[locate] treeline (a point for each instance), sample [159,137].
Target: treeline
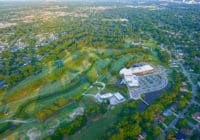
[48,111]
[14,70]
[70,128]
[44,113]
[58,70]
[163,56]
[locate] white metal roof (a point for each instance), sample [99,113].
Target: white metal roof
[129,77]
[131,80]
[106,96]
[118,96]
[125,71]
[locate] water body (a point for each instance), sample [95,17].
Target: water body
[150,98]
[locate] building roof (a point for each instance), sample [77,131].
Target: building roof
[129,77]
[124,19]
[132,80]
[196,116]
[198,83]
[136,43]
[179,136]
[186,131]
[141,69]
[125,71]
[106,96]
[158,118]
[183,89]
[118,96]
[167,112]
[116,99]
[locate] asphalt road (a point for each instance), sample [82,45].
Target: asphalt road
[194,92]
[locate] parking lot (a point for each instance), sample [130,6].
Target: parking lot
[149,83]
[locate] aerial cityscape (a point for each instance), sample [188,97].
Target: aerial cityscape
[100,70]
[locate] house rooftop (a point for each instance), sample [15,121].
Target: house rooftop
[167,112]
[198,83]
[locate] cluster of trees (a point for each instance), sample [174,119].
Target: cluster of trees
[131,123]
[46,112]
[56,74]
[100,33]
[128,126]
[183,100]
[13,69]
[183,97]
[95,109]
[163,56]
[182,123]
[69,128]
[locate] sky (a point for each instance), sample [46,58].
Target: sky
[61,0]
[72,0]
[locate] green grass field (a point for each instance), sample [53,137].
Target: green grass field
[97,128]
[81,69]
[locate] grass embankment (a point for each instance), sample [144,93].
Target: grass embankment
[97,128]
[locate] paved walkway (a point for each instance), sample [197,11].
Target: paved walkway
[144,101]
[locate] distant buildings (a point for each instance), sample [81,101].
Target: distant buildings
[180,136]
[174,65]
[123,20]
[6,25]
[136,43]
[1,49]
[2,84]
[182,1]
[186,131]
[184,89]
[196,116]
[159,118]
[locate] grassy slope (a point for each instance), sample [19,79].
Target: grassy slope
[96,129]
[79,62]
